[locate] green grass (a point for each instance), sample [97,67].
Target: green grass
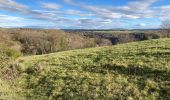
[138,70]
[7,55]
[8,90]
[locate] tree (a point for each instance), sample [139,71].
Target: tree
[166,27]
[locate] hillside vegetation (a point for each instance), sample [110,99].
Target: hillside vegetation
[31,42]
[137,70]
[123,36]
[6,38]
[8,74]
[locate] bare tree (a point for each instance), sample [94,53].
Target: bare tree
[166,27]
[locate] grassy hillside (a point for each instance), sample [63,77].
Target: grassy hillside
[7,55]
[138,70]
[31,41]
[8,75]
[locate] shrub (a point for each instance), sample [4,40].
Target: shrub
[7,55]
[102,42]
[48,41]
[13,53]
[39,42]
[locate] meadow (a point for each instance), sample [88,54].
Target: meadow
[138,70]
[84,49]
[130,71]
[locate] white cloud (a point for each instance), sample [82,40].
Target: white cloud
[88,15]
[141,4]
[10,21]
[141,25]
[50,6]
[70,2]
[134,10]
[12,4]
[77,13]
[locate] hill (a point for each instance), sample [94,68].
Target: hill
[137,70]
[8,74]
[44,41]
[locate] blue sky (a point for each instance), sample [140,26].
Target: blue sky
[84,14]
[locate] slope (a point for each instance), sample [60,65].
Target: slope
[7,73]
[138,70]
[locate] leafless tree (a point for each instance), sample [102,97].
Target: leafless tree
[166,27]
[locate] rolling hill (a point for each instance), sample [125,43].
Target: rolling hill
[8,74]
[137,70]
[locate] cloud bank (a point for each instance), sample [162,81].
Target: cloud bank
[85,15]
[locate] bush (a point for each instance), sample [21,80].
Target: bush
[78,41]
[13,53]
[41,42]
[7,56]
[103,42]
[48,41]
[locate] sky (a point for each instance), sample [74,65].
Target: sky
[84,14]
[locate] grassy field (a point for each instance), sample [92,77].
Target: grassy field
[8,88]
[137,70]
